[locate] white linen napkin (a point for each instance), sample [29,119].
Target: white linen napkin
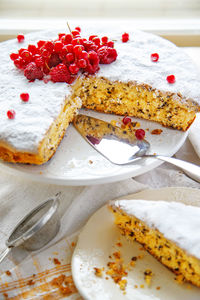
[194,134]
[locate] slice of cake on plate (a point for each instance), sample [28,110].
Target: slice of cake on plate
[143,76]
[167,230]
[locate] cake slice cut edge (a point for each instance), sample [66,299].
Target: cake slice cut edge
[51,140]
[132,224]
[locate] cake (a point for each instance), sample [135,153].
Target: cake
[163,88]
[167,230]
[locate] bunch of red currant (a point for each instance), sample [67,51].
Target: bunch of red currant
[64,57]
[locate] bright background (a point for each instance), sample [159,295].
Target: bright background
[177,20]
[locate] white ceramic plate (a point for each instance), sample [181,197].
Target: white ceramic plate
[98,240]
[77,163]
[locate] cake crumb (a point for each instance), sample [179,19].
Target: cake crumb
[135,286]
[141,286]
[31,282]
[158,287]
[148,276]
[56,261]
[156,131]
[98,272]
[90,162]
[8,273]
[119,244]
[73,244]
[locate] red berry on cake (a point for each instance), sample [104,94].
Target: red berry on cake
[140,134]
[82,63]
[32,49]
[104,39]
[78,29]
[126,120]
[125,37]
[33,72]
[110,44]
[171,79]
[73,68]
[24,97]
[75,32]
[40,44]
[107,55]
[154,57]
[60,73]
[70,57]
[68,38]
[20,38]
[14,56]
[11,114]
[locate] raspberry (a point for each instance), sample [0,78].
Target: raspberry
[126,120]
[107,55]
[60,73]
[24,97]
[140,134]
[14,56]
[92,63]
[154,57]
[171,79]
[125,37]
[33,72]
[11,114]
[54,60]
[20,38]
[73,69]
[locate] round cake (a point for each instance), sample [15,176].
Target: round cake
[150,78]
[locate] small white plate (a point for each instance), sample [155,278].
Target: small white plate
[98,240]
[77,163]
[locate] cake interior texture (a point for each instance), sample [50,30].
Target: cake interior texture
[185,266]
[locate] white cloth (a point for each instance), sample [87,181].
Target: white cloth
[194,134]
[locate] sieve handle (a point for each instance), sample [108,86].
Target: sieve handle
[4,253]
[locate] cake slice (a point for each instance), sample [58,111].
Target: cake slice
[167,230]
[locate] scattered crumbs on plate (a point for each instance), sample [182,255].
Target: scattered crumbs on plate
[56,261]
[98,272]
[5,295]
[65,285]
[31,282]
[73,244]
[158,288]
[55,253]
[141,256]
[8,273]
[156,131]
[90,162]
[119,244]
[148,276]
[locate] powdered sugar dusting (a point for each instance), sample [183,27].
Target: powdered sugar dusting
[34,118]
[177,221]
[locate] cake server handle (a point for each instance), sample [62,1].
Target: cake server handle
[4,253]
[184,165]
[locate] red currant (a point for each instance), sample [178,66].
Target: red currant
[78,49]
[82,63]
[26,55]
[11,114]
[78,29]
[20,38]
[70,57]
[154,57]
[14,56]
[91,37]
[83,55]
[110,44]
[38,60]
[68,38]
[40,44]
[69,48]
[49,46]
[126,120]
[171,79]
[125,37]
[104,39]
[140,134]
[24,97]
[58,46]
[60,35]
[19,63]
[32,49]
[74,69]
[97,41]
[75,32]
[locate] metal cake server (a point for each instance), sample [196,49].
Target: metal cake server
[120,146]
